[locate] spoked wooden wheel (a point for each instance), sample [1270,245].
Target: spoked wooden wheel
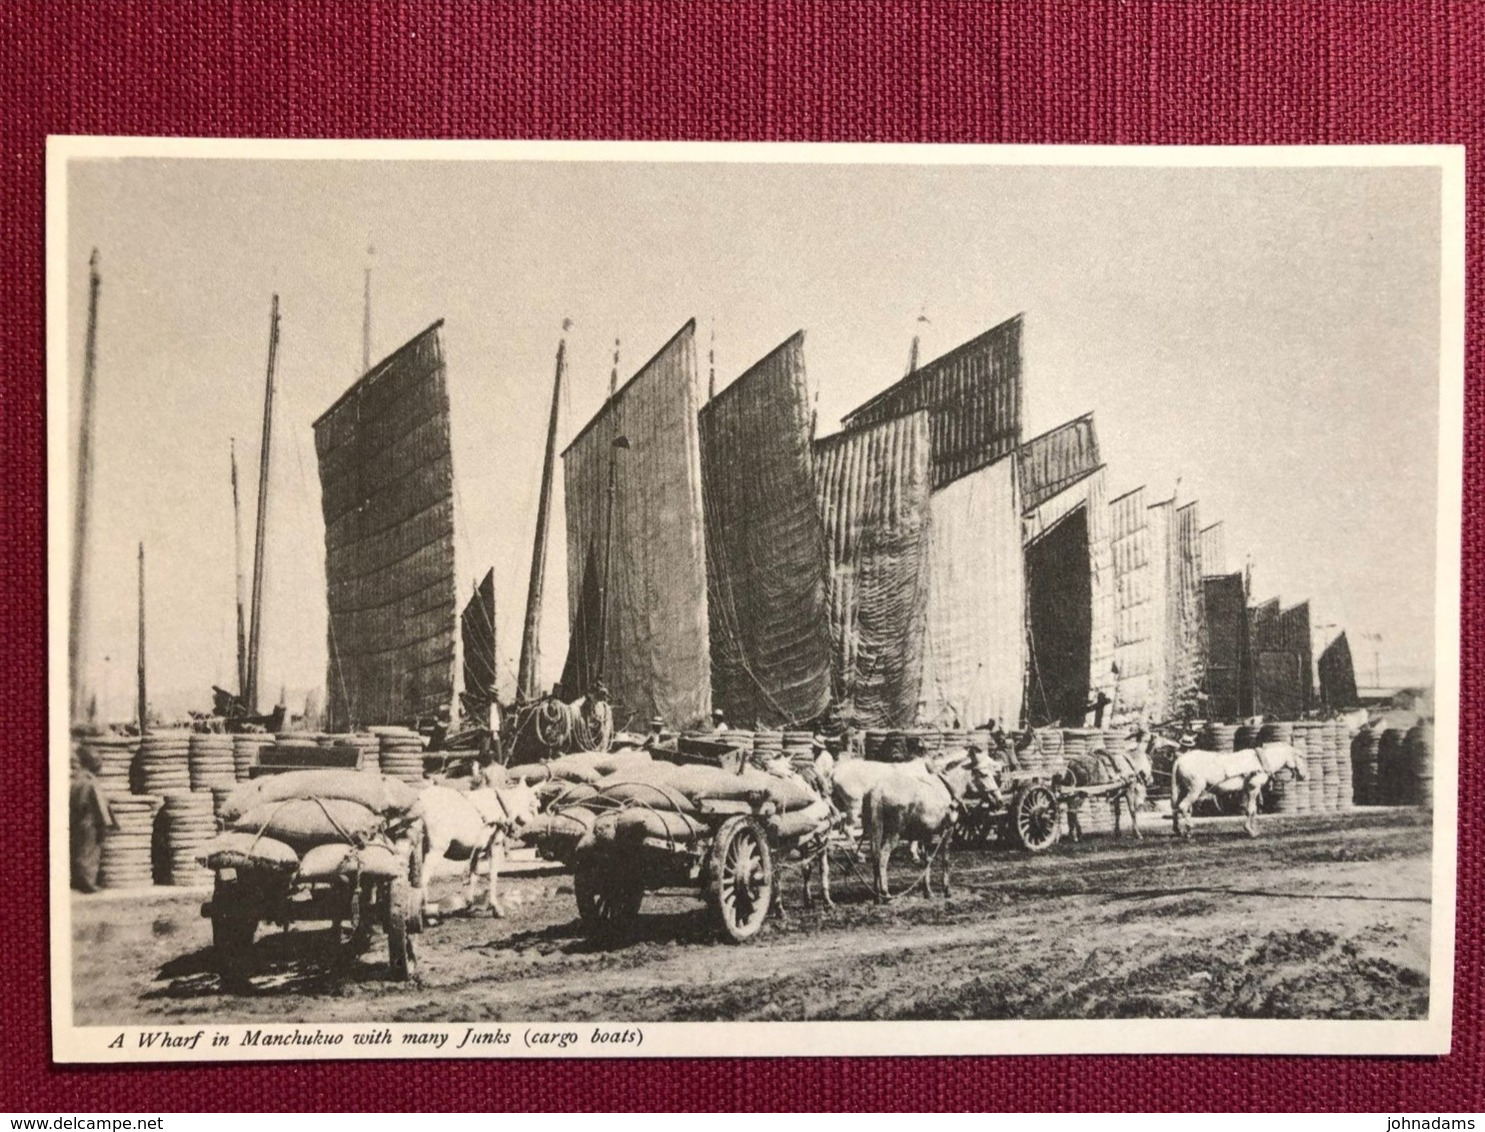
[978,825]
[740,879]
[1036,823]
[608,901]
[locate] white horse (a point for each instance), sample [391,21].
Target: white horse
[1223,772]
[463,826]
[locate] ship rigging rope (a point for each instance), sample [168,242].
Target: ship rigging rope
[565,727]
[350,720]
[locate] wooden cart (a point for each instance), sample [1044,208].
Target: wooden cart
[243,898]
[1028,814]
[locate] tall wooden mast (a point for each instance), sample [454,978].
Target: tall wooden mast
[528,674]
[616,442]
[255,637]
[77,646]
[143,704]
[242,667]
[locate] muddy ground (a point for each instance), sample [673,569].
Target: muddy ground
[1321,917]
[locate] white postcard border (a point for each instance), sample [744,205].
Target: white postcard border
[89,1044]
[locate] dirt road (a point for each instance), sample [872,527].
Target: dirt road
[1321,917]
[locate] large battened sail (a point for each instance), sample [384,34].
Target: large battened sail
[1134,609]
[973,398]
[1282,659]
[1069,574]
[873,485]
[386,478]
[1229,665]
[1214,550]
[765,547]
[651,636]
[1057,460]
[477,633]
[1191,643]
[1337,675]
[974,653]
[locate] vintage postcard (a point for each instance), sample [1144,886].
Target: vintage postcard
[566,599]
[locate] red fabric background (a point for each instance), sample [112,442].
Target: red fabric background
[1198,72]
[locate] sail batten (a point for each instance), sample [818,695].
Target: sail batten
[386,474]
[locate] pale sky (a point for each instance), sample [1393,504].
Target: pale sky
[1270,337]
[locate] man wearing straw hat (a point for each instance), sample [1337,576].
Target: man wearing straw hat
[656,735]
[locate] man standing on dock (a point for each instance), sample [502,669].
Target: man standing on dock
[1097,707]
[89,817]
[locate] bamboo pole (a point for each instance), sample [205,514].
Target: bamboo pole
[77,643]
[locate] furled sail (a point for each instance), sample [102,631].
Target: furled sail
[873,485]
[765,547]
[654,640]
[477,632]
[973,397]
[386,478]
[974,653]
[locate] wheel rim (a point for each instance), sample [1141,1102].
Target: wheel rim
[745,887]
[1037,819]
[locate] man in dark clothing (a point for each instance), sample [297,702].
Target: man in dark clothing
[90,818]
[1097,707]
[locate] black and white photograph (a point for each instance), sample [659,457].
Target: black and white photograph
[565,599]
